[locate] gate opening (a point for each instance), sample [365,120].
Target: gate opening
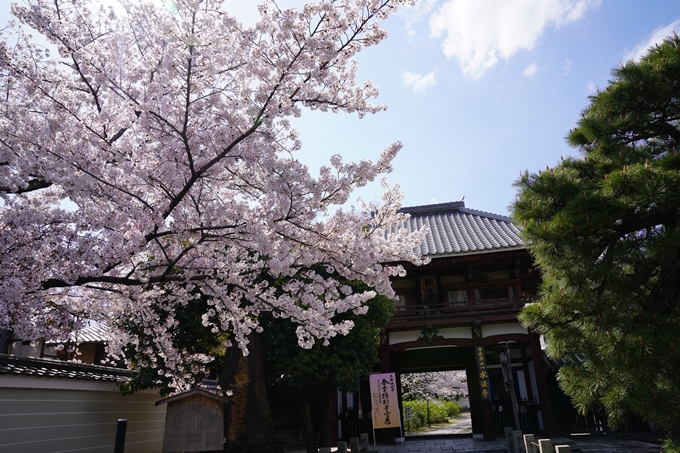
[436,403]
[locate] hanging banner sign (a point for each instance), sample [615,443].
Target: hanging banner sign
[483,375]
[385,401]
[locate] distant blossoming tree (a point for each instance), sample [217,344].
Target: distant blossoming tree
[152,162]
[435,385]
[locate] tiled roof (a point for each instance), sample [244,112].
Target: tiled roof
[94,333]
[455,229]
[572,360]
[10,365]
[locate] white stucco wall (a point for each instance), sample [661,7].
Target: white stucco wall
[40,415]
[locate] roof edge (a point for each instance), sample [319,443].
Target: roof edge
[433,208]
[454,206]
[478,252]
[58,364]
[194,391]
[490,215]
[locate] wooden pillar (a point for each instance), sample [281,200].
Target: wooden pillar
[527,373]
[542,385]
[335,418]
[384,352]
[487,417]
[475,399]
[485,403]
[4,341]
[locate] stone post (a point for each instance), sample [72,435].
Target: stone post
[545,446]
[529,440]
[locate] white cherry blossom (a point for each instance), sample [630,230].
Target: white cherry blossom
[153,157]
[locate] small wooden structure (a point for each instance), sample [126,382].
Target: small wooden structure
[194,421]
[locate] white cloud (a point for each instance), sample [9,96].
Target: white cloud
[479,33]
[655,38]
[592,88]
[567,66]
[412,14]
[418,82]
[530,70]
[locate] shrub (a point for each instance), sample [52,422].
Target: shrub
[439,412]
[453,408]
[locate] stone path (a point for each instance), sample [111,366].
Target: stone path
[461,425]
[437,441]
[585,444]
[468,445]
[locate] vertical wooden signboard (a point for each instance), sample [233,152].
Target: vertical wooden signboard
[385,402]
[483,375]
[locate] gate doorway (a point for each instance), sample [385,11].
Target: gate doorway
[436,403]
[489,405]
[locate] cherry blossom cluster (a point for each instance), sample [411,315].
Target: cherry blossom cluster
[153,158]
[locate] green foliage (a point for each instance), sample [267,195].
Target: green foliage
[337,364]
[453,408]
[437,411]
[188,334]
[605,231]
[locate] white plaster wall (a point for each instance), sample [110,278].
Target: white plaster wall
[462,333]
[503,329]
[39,415]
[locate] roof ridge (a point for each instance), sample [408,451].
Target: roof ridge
[46,368]
[490,215]
[453,206]
[434,208]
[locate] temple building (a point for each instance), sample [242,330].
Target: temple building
[459,312]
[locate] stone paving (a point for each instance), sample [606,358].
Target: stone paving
[469,445]
[444,441]
[447,444]
[450,439]
[462,425]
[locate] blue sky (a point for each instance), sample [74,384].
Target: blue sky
[479,90]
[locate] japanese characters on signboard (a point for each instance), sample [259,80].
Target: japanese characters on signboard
[483,375]
[385,401]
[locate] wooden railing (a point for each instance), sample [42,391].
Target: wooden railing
[453,309]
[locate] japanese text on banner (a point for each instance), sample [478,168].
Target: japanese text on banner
[384,400]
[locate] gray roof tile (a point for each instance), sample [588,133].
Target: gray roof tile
[94,333]
[455,229]
[28,366]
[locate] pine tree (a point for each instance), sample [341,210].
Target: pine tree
[604,229]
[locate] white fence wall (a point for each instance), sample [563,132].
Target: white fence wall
[51,415]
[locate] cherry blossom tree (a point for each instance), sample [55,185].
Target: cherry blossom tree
[152,161]
[434,385]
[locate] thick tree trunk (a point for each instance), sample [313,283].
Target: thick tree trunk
[325,405]
[314,414]
[248,423]
[306,420]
